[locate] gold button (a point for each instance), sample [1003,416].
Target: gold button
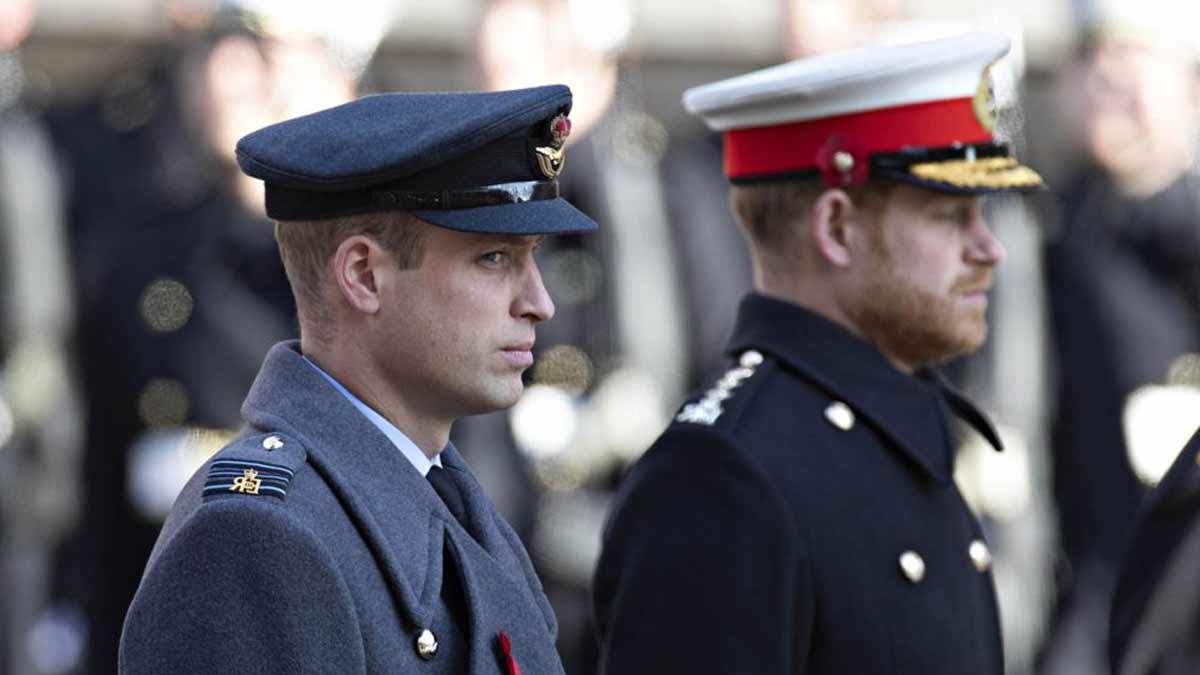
[840,415]
[426,645]
[750,359]
[980,555]
[272,443]
[913,566]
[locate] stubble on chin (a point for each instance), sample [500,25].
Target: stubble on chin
[916,327]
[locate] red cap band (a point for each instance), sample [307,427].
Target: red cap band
[797,146]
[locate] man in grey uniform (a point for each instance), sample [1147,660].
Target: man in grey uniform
[341,532]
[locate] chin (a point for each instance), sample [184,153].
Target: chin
[502,395]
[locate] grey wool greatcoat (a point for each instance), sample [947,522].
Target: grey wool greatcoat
[339,563]
[800,517]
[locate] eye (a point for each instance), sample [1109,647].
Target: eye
[960,215]
[493,258]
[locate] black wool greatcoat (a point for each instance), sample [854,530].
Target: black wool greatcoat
[1155,627]
[800,517]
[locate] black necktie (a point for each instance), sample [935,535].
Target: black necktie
[443,484]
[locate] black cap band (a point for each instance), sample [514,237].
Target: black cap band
[467,198]
[288,204]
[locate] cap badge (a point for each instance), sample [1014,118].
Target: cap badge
[550,158]
[984,101]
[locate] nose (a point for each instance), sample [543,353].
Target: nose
[984,248]
[533,301]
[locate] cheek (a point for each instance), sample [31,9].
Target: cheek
[468,313]
[935,263]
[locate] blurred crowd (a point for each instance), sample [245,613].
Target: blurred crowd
[140,287]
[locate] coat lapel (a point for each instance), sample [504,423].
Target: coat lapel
[500,570]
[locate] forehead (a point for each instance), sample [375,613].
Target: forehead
[910,197]
[455,239]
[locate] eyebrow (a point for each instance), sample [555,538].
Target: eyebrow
[516,239]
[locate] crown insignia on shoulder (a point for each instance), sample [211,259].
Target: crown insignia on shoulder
[708,408]
[249,478]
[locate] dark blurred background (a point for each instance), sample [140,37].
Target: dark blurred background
[140,286]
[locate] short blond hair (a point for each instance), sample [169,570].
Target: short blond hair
[306,247]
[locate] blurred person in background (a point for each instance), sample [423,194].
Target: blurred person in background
[642,313]
[39,409]
[730,547]
[179,284]
[1122,264]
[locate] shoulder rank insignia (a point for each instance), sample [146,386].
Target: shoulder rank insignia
[708,409]
[250,478]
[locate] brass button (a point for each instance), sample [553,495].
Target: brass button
[913,566]
[272,443]
[750,359]
[426,645]
[980,555]
[840,415]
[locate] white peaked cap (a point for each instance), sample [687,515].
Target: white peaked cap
[920,113]
[845,82]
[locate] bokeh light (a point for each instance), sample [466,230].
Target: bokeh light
[163,403]
[998,484]
[566,367]
[544,421]
[574,276]
[1158,422]
[166,305]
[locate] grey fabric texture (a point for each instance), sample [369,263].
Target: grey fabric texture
[344,572]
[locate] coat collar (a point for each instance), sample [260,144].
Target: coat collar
[396,507]
[909,410]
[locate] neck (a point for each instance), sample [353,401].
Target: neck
[821,298]
[351,367]
[811,294]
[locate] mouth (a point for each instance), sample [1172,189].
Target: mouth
[976,295]
[519,355]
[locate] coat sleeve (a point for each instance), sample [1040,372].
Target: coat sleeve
[242,587]
[702,569]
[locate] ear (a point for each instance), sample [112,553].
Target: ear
[833,225]
[354,269]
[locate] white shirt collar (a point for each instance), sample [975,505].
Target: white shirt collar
[409,449]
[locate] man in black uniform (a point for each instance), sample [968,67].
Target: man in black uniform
[800,516]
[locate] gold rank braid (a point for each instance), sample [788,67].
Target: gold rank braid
[989,172]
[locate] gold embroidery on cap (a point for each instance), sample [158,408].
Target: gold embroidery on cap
[984,101]
[550,160]
[989,172]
